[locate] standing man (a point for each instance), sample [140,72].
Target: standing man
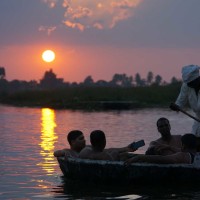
[190,92]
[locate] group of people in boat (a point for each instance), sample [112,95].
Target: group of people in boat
[167,149]
[97,149]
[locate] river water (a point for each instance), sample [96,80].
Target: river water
[29,136]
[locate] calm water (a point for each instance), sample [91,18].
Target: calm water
[29,136]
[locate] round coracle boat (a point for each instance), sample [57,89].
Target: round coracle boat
[116,172]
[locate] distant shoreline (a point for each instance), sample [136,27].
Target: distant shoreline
[94,98]
[98,106]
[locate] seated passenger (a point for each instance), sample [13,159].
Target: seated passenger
[167,144]
[77,143]
[187,154]
[98,152]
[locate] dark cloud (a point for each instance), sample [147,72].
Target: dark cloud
[155,23]
[167,23]
[21,19]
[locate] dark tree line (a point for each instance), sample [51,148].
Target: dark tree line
[122,80]
[50,81]
[2,72]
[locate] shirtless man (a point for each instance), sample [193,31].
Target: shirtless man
[167,144]
[98,152]
[187,154]
[77,143]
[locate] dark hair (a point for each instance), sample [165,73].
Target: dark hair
[72,135]
[97,137]
[162,119]
[189,140]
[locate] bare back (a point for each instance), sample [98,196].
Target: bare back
[89,153]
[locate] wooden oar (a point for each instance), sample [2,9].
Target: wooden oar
[186,113]
[175,107]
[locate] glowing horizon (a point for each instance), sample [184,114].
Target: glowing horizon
[99,38]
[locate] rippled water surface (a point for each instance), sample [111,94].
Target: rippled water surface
[29,136]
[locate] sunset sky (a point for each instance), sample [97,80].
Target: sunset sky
[98,37]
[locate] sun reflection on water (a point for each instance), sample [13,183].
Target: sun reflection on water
[48,139]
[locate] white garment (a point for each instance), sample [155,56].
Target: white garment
[190,73]
[188,94]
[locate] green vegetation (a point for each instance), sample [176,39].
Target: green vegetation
[122,92]
[95,98]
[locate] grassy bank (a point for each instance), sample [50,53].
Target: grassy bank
[96,98]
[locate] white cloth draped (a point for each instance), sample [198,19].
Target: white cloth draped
[188,94]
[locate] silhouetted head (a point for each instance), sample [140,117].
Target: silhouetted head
[76,140]
[98,140]
[189,141]
[164,127]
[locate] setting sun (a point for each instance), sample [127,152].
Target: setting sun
[48,56]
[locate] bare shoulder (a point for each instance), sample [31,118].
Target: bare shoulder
[71,153]
[155,142]
[61,152]
[85,152]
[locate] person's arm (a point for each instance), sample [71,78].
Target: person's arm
[173,149]
[170,159]
[163,148]
[128,148]
[60,153]
[119,153]
[152,148]
[118,150]
[149,159]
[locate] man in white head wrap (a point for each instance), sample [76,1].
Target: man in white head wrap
[190,73]
[190,92]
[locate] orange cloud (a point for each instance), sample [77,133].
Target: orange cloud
[48,29]
[100,14]
[74,25]
[51,3]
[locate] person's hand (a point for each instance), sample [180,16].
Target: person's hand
[131,147]
[174,107]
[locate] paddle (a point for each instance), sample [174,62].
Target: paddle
[175,107]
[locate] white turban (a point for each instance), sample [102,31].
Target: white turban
[190,73]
